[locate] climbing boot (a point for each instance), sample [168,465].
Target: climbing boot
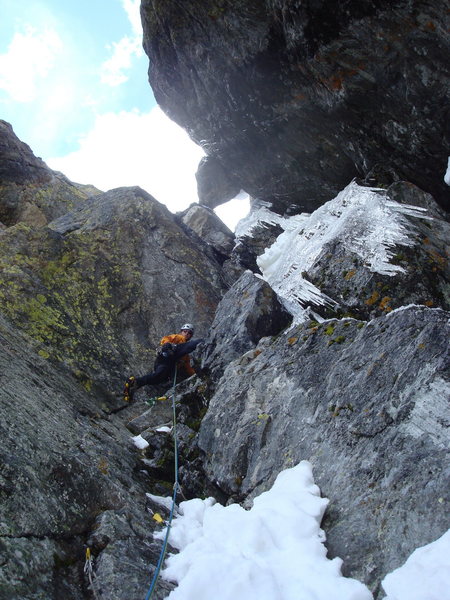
[129,389]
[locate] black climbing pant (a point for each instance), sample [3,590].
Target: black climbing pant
[164,368]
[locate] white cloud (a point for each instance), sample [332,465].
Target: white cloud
[144,149]
[112,70]
[29,59]
[132,8]
[133,148]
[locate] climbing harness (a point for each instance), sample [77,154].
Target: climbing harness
[89,570]
[174,496]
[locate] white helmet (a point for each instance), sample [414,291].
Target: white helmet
[187,327]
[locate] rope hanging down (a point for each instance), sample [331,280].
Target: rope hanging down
[174,496]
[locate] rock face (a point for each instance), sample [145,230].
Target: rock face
[290,101]
[207,225]
[364,254]
[364,399]
[367,404]
[84,300]
[214,186]
[285,95]
[249,311]
[101,285]
[69,480]
[30,192]
[18,164]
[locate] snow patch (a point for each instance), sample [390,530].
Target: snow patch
[274,551]
[164,429]
[447,173]
[161,500]
[364,222]
[424,576]
[139,441]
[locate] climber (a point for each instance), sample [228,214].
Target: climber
[173,351]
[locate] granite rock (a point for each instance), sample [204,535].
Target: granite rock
[367,404]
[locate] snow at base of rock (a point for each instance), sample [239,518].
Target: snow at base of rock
[447,173]
[164,502]
[164,429]
[424,576]
[274,551]
[139,442]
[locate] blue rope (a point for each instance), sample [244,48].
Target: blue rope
[174,496]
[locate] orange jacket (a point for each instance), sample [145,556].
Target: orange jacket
[185,361]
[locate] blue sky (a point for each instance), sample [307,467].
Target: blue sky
[73,84]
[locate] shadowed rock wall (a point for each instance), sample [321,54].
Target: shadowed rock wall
[284,94]
[85,296]
[68,480]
